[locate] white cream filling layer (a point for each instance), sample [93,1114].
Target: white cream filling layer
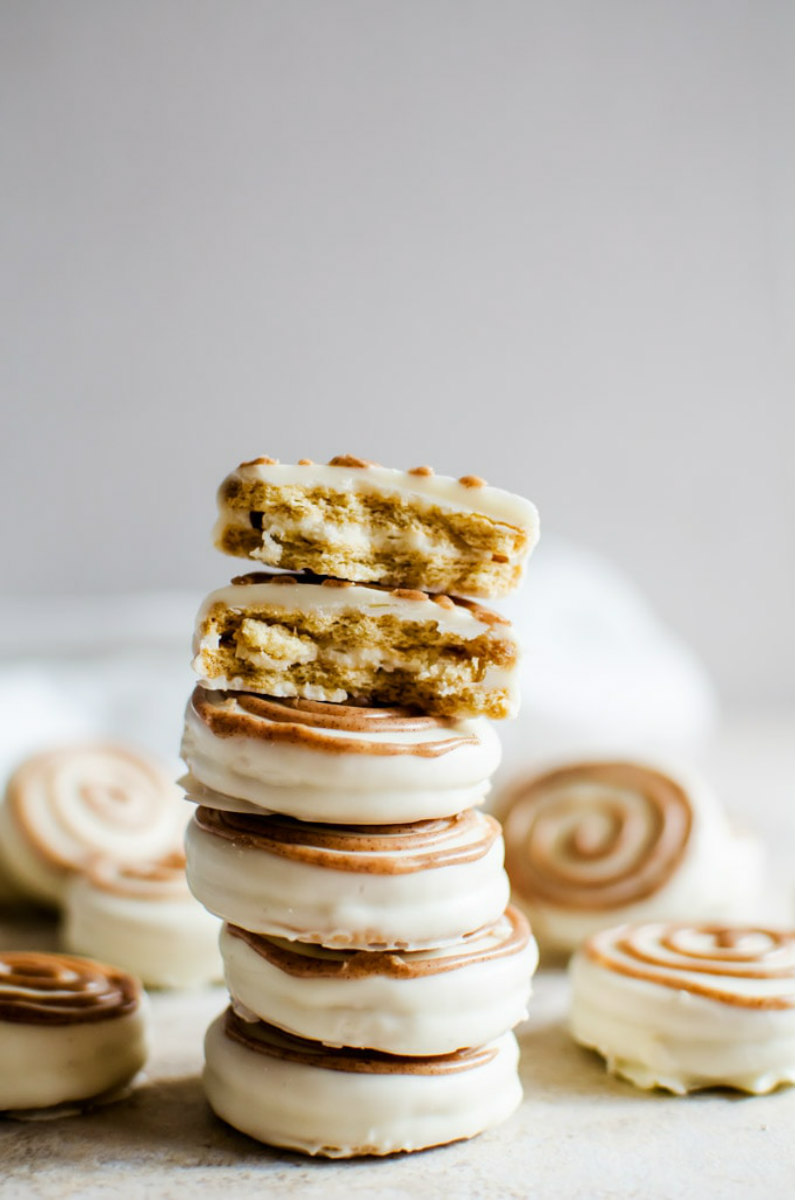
[658,1036]
[45,1065]
[167,942]
[314,597]
[340,1113]
[267,893]
[427,1015]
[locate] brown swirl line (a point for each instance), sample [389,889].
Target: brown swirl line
[623,940]
[301,722]
[565,881]
[369,849]
[131,809]
[275,1043]
[58,989]
[359,964]
[158,879]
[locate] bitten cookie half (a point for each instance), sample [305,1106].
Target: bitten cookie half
[72,1031]
[347,764]
[356,520]
[420,1002]
[683,1007]
[294,1093]
[284,635]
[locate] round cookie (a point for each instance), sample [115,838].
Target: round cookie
[72,1031]
[684,1007]
[339,1103]
[64,807]
[143,917]
[333,762]
[366,887]
[593,844]
[422,1002]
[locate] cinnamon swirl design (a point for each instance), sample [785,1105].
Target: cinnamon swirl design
[342,1102]
[143,916]
[685,1006]
[65,807]
[54,989]
[70,1029]
[333,762]
[591,842]
[426,1002]
[407,886]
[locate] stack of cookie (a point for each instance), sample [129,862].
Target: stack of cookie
[337,751]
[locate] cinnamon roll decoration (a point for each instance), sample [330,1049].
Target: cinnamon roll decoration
[592,843]
[685,1006]
[72,1031]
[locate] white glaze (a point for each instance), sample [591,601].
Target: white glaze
[168,941]
[297,900]
[47,1065]
[439,491]
[434,1013]
[658,1035]
[339,1113]
[313,783]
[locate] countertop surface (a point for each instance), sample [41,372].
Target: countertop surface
[578,1133]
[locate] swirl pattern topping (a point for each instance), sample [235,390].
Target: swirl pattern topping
[369,849]
[748,967]
[338,728]
[58,989]
[84,800]
[596,836]
[160,879]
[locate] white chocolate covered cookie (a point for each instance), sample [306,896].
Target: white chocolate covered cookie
[356,520]
[143,917]
[72,1031]
[684,1007]
[290,635]
[333,762]
[593,844]
[64,807]
[422,1002]
[379,887]
[339,1103]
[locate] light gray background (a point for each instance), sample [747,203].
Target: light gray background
[548,242]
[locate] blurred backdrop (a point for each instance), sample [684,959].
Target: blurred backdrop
[545,241]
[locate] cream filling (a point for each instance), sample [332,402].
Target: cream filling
[661,1036]
[166,942]
[428,1015]
[267,893]
[342,1113]
[44,1065]
[314,597]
